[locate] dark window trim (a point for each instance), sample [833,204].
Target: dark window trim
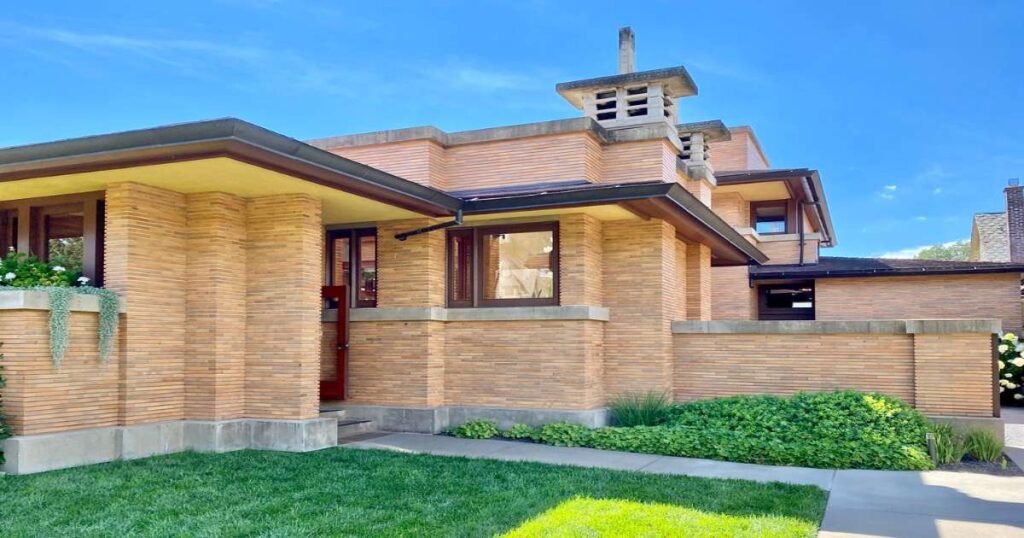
[785,314]
[476,268]
[353,235]
[787,215]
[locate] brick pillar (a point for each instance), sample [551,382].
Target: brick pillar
[953,374]
[284,268]
[145,264]
[402,362]
[1015,221]
[698,278]
[579,252]
[640,293]
[215,301]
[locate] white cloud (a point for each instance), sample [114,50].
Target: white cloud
[937,191]
[920,218]
[890,188]
[888,192]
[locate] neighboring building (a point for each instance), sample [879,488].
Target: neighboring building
[999,237]
[419,278]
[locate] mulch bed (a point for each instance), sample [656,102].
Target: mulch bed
[969,465]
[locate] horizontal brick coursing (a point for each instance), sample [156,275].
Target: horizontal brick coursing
[731,295]
[979,296]
[422,161]
[396,362]
[788,252]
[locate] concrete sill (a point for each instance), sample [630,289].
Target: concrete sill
[910,326]
[13,299]
[525,313]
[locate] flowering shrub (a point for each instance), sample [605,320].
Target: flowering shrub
[1011,370]
[19,270]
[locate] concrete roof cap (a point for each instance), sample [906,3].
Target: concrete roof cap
[677,82]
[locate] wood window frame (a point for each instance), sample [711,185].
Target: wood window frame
[355,261]
[31,214]
[787,211]
[476,266]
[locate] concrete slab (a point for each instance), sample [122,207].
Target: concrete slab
[821,478]
[583,457]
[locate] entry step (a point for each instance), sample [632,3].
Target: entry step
[349,427]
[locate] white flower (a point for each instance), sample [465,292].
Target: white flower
[1003,382]
[58,269]
[83,280]
[1011,386]
[1018,362]
[10,276]
[1003,348]
[1008,375]
[1001,389]
[1018,396]
[1002,365]
[1019,348]
[1010,336]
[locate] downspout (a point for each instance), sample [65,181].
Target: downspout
[439,226]
[816,203]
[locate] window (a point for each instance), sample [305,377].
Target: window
[61,230]
[769,217]
[352,262]
[512,265]
[791,301]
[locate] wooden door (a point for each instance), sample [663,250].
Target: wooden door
[334,389]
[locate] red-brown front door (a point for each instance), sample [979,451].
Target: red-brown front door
[335,389]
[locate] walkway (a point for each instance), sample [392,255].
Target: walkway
[861,503]
[1014,419]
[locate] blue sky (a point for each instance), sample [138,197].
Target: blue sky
[912,111]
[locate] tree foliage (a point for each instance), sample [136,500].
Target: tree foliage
[957,251]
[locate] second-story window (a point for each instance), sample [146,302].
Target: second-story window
[507,265]
[768,218]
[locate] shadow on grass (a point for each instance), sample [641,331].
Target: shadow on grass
[355,493]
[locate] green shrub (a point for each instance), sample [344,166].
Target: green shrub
[647,409]
[521,431]
[565,434]
[836,430]
[19,270]
[1011,370]
[949,444]
[983,445]
[476,429]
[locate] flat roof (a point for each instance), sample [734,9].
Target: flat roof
[836,266]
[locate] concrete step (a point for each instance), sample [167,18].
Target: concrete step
[351,427]
[332,413]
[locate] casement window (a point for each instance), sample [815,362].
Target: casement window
[352,262]
[506,265]
[60,230]
[789,301]
[767,218]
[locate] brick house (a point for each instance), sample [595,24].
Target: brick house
[419,278]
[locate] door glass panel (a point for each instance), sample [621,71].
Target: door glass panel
[367,277]
[341,272]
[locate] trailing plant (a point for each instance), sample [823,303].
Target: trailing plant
[21,271]
[476,429]
[636,409]
[5,432]
[983,445]
[1011,369]
[949,444]
[521,431]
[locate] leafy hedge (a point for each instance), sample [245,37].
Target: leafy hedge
[834,430]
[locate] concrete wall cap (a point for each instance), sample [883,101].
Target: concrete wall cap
[16,299]
[952,326]
[518,313]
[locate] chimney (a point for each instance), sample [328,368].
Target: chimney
[627,51]
[1015,220]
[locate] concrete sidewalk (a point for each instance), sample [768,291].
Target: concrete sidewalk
[861,503]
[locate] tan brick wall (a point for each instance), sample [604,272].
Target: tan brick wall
[732,208]
[215,307]
[397,363]
[531,364]
[410,272]
[145,263]
[580,250]
[731,295]
[422,161]
[647,160]
[981,296]
[39,398]
[564,157]
[637,342]
[683,287]
[739,153]
[940,374]
[699,291]
[788,252]
[284,258]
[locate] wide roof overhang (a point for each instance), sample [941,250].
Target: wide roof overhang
[234,156]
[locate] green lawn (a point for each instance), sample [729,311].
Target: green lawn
[348,492]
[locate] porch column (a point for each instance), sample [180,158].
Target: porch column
[215,307]
[284,273]
[698,278]
[145,263]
